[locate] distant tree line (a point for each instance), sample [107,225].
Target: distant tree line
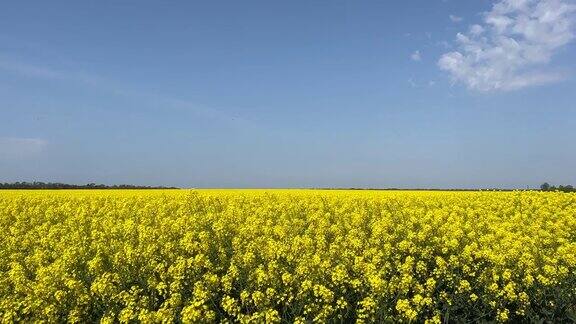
[419,189]
[52,185]
[547,187]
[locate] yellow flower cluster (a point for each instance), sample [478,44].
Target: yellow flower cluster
[286,256]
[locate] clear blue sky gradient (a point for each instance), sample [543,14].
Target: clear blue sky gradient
[267,94]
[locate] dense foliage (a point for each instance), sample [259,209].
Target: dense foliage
[564,188]
[296,256]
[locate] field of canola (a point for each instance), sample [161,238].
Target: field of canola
[286,256]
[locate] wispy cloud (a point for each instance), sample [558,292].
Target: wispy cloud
[17,147]
[455,19]
[89,80]
[48,73]
[415,56]
[513,45]
[28,70]
[420,84]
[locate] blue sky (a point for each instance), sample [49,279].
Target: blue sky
[289,94]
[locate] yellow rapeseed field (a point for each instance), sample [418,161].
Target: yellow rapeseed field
[286,256]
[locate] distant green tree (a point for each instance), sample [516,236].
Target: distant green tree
[567,188]
[563,188]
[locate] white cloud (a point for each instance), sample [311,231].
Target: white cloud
[416,56]
[16,147]
[513,45]
[455,19]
